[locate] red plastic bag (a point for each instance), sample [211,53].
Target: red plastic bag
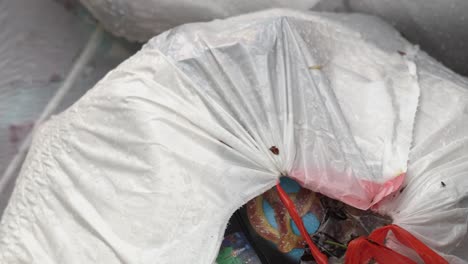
[362,250]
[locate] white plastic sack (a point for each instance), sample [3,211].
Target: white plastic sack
[151,163]
[142,19]
[434,202]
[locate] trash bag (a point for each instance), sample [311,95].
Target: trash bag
[144,19]
[433,202]
[150,164]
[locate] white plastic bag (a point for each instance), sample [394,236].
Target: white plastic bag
[142,19]
[433,203]
[151,163]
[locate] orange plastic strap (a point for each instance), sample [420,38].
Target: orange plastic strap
[289,204]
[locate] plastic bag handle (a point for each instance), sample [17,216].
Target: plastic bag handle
[406,238]
[362,250]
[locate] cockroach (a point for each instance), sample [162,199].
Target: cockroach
[274,150]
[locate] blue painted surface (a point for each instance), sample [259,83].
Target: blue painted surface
[311,222]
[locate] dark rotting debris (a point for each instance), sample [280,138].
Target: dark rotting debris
[443,184]
[274,150]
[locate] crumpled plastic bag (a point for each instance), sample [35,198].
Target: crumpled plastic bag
[433,201]
[151,163]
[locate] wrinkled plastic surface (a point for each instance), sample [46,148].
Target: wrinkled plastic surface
[354,147]
[150,164]
[143,19]
[433,203]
